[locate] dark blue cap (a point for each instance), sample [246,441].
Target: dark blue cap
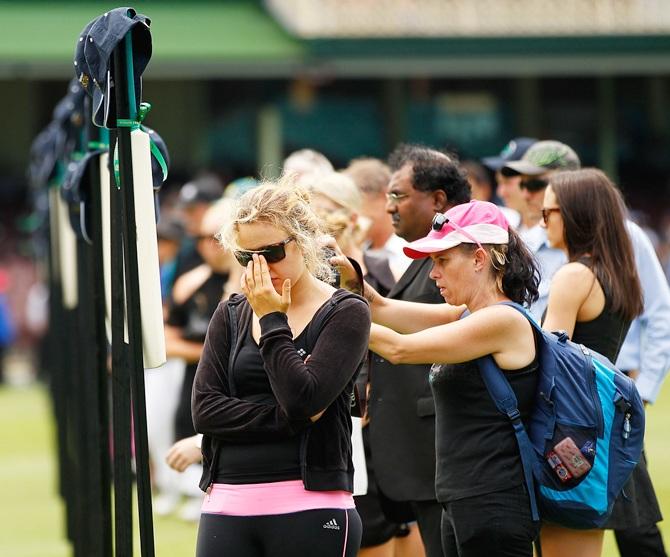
[513,151]
[93,60]
[70,108]
[76,192]
[44,154]
[58,139]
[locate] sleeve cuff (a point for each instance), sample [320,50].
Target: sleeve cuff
[273,322]
[648,387]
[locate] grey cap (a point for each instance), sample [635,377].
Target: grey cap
[542,157]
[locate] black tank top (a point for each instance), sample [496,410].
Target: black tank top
[477,451]
[604,334]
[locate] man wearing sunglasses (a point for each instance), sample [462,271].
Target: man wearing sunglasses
[534,168]
[401,408]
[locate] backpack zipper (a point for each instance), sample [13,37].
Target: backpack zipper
[600,422]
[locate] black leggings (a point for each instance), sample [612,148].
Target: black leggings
[319,532]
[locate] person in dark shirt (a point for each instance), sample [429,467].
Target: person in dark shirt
[195,297]
[478,262]
[272,395]
[594,298]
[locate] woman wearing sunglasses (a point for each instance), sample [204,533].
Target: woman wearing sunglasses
[272,396]
[478,262]
[594,297]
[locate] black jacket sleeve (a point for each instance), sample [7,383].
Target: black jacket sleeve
[219,415]
[304,389]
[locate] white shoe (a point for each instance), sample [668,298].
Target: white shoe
[165,503]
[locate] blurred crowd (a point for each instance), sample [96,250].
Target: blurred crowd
[363,208]
[23,295]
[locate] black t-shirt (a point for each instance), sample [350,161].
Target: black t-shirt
[267,461]
[477,451]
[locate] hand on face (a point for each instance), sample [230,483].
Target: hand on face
[257,286]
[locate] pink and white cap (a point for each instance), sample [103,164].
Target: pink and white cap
[477,222]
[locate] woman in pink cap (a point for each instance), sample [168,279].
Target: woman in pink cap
[478,262]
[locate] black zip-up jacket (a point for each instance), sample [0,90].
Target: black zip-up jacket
[301,389]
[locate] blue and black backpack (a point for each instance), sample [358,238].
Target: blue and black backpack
[585,432]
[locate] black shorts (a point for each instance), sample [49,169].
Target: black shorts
[493,525]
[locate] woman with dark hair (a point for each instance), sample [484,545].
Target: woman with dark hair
[478,262]
[594,298]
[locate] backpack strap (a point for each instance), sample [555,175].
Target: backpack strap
[323,315]
[505,400]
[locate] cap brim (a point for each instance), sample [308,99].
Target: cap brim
[494,163]
[427,246]
[525,167]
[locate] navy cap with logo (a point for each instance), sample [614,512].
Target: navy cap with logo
[542,157]
[513,151]
[94,58]
[71,107]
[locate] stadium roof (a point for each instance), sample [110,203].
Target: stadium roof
[357,38]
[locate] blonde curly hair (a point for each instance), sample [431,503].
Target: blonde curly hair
[285,205]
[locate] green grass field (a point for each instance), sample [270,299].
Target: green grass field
[31,513]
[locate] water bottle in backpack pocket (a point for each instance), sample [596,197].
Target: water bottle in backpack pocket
[584,435]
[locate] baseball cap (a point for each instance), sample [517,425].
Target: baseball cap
[93,58]
[513,151]
[204,189]
[542,157]
[477,222]
[69,110]
[76,192]
[45,151]
[170,228]
[57,140]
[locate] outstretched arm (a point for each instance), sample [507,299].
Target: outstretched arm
[409,317]
[497,330]
[399,315]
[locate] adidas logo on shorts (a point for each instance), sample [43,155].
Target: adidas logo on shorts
[331,525]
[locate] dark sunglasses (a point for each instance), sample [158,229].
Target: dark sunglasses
[440,219]
[272,253]
[546,211]
[534,184]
